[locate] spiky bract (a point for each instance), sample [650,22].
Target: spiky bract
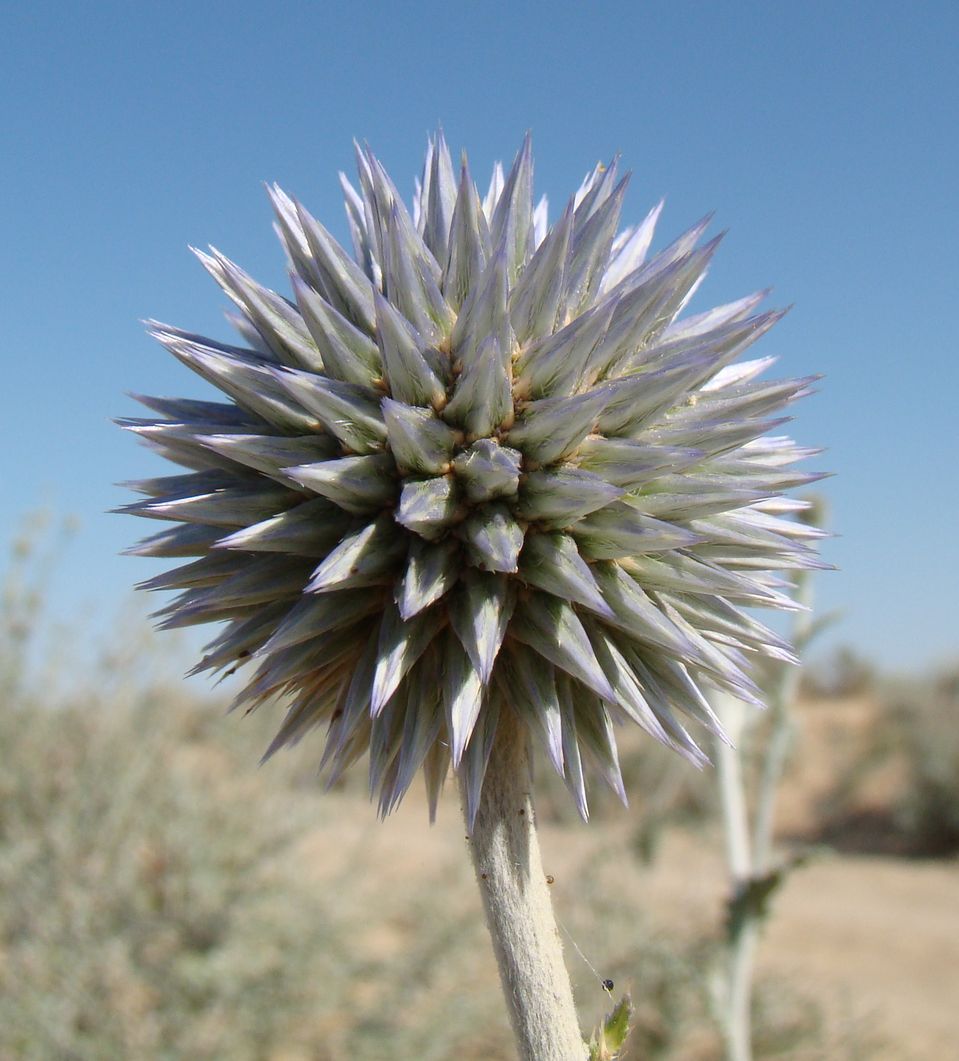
[481,464]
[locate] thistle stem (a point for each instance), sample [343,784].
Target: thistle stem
[781,703]
[741,944]
[749,851]
[519,911]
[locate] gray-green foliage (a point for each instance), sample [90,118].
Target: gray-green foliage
[918,732]
[899,791]
[147,903]
[927,722]
[140,915]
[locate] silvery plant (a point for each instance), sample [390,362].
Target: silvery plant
[480,480]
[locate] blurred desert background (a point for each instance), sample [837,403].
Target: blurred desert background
[162,897]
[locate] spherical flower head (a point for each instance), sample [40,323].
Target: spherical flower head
[482,464]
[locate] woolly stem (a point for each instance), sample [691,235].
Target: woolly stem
[781,703]
[519,911]
[743,932]
[748,852]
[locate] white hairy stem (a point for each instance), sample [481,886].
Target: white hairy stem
[737,1026]
[519,911]
[781,702]
[732,787]
[749,850]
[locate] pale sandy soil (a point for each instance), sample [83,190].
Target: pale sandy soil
[878,941]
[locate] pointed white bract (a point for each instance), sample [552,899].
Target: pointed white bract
[480,464]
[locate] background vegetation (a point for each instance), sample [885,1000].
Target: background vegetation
[160,897]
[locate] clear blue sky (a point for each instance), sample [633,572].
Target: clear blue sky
[823,134]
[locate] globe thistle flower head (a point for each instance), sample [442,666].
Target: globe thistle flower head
[480,464]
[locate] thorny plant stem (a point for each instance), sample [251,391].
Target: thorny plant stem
[519,911]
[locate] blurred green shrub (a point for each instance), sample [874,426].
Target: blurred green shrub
[900,794]
[663,789]
[844,672]
[925,719]
[149,905]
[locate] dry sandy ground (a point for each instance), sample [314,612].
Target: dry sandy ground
[878,942]
[874,940]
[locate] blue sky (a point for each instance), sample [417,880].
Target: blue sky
[822,134]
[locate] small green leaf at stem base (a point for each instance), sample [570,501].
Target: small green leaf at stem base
[608,1040]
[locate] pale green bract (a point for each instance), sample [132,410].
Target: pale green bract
[481,464]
